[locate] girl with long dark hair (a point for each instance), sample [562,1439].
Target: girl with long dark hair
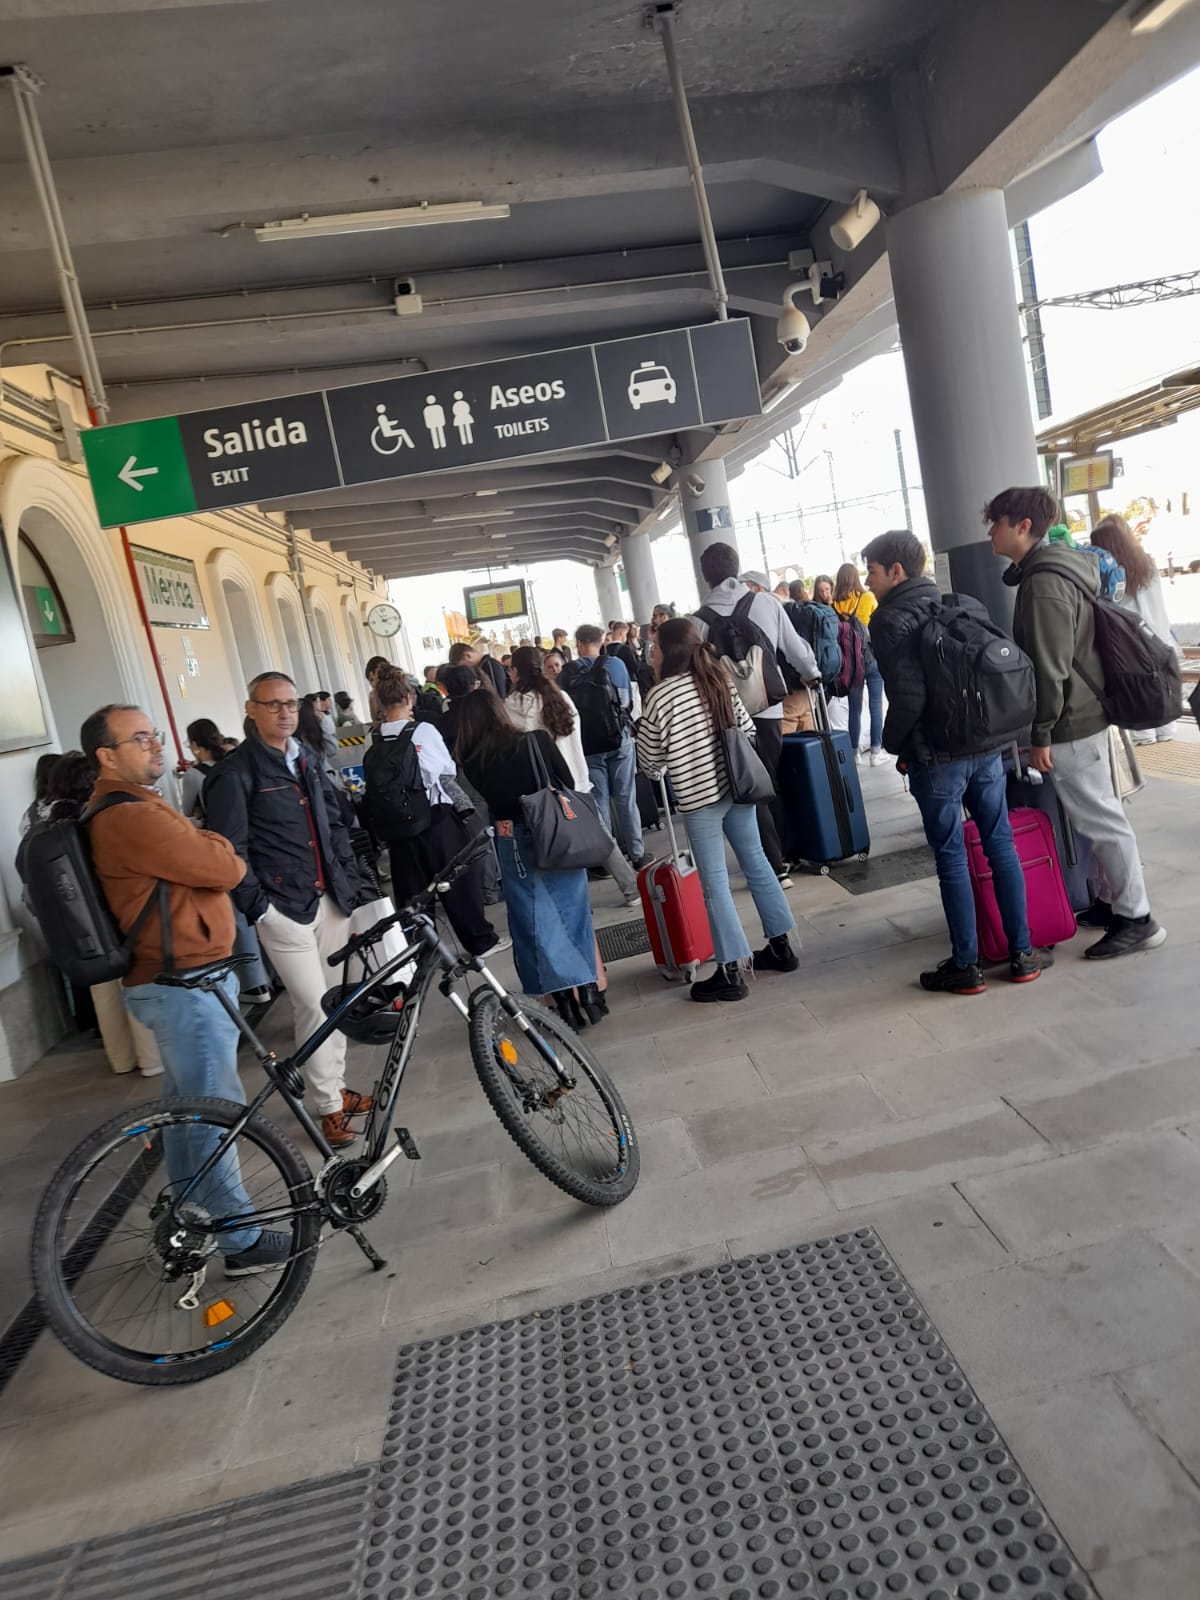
[207,744]
[851,600]
[549,915]
[680,732]
[537,702]
[1143,594]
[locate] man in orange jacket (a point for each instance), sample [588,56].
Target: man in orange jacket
[134,847]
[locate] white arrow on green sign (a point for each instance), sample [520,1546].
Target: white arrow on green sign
[139,471]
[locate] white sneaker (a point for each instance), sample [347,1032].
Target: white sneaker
[502,944]
[785,881]
[254,997]
[150,1072]
[879,758]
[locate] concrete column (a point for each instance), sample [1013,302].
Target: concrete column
[638,559]
[706,515]
[956,305]
[608,595]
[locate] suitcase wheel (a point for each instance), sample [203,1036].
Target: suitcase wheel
[864,855]
[823,869]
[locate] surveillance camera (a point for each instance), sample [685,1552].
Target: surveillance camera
[792,330]
[695,484]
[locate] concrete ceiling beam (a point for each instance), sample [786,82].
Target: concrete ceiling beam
[828,142]
[611,474]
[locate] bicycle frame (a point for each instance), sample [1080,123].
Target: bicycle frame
[432,955]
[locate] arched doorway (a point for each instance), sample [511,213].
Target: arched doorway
[290,633]
[239,613]
[334,667]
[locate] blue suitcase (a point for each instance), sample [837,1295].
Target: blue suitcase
[820,798]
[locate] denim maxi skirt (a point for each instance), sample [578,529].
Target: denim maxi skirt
[549,917]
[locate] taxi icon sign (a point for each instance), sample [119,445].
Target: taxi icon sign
[649,384]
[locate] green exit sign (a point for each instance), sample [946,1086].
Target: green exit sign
[139,471]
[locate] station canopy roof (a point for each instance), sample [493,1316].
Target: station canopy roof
[1157,405]
[177,128]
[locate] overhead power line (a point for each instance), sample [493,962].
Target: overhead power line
[1146,292]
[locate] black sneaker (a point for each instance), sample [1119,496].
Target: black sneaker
[642,861]
[776,955]
[1098,915]
[726,983]
[1029,964]
[268,1251]
[946,978]
[1126,935]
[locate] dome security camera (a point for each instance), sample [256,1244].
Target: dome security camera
[793,328]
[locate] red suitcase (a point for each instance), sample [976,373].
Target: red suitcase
[1051,919]
[673,905]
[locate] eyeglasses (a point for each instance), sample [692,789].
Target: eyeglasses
[277,705]
[144,741]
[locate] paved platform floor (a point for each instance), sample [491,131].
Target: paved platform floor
[1031,1158]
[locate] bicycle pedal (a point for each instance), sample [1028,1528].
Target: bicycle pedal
[405,1140]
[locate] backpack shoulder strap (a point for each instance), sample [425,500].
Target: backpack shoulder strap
[106,802]
[159,896]
[708,616]
[742,609]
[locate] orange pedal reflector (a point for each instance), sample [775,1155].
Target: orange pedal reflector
[508,1052]
[220,1311]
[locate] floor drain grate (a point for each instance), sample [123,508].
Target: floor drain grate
[622,940]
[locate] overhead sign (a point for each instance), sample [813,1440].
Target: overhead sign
[1083,474]
[171,589]
[426,422]
[493,602]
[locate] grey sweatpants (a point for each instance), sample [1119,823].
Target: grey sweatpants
[1083,776]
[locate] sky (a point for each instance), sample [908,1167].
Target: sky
[1137,220]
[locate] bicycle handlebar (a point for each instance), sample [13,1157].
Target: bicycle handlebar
[456,865]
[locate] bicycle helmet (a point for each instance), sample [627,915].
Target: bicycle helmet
[373,1019]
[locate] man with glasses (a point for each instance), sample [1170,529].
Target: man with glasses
[276,805]
[134,848]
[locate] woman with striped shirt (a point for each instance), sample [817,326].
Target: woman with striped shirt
[680,732]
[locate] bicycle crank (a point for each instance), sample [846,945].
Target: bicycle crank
[337,1185]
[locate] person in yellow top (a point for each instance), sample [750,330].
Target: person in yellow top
[850,599]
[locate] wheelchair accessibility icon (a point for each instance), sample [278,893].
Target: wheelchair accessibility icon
[387,436]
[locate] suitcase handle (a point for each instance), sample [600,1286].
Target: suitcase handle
[819,708]
[666,805]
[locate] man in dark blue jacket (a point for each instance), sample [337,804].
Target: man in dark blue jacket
[276,805]
[944,781]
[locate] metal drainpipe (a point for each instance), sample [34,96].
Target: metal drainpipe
[663,18]
[26,87]
[296,566]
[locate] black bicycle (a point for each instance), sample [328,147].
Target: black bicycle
[136,1237]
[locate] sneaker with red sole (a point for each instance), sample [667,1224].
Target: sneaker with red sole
[947,978]
[1029,964]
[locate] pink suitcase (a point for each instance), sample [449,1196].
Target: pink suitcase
[676,917]
[1051,919]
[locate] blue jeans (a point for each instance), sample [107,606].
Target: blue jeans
[874,688]
[254,974]
[613,778]
[197,1042]
[941,791]
[708,828]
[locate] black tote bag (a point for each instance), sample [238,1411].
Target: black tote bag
[749,780]
[568,834]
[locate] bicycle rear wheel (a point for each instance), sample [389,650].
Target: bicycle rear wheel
[134,1281]
[580,1138]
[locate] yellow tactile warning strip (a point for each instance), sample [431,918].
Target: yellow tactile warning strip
[1177,761]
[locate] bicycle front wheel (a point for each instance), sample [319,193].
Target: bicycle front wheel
[579,1135]
[153,1278]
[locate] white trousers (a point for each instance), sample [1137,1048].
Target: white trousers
[128,1043]
[297,951]
[1083,776]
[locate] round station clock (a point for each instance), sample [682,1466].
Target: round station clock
[383,620]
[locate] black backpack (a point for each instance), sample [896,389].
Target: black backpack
[746,655]
[395,804]
[62,890]
[1142,685]
[598,702]
[979,683]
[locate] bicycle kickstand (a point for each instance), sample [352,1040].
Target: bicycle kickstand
[368,1249]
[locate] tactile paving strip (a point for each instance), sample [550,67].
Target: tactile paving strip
[299,1543]
[789,1424]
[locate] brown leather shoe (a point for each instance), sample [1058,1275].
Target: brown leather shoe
[337,1131]
[354,1104]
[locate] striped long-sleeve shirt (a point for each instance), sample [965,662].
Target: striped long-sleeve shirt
[676,735]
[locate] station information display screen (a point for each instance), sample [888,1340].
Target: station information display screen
[496,602]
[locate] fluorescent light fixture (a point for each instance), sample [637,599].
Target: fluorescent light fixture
[1155,15]
[482,494]
[474,516]
[422,216]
